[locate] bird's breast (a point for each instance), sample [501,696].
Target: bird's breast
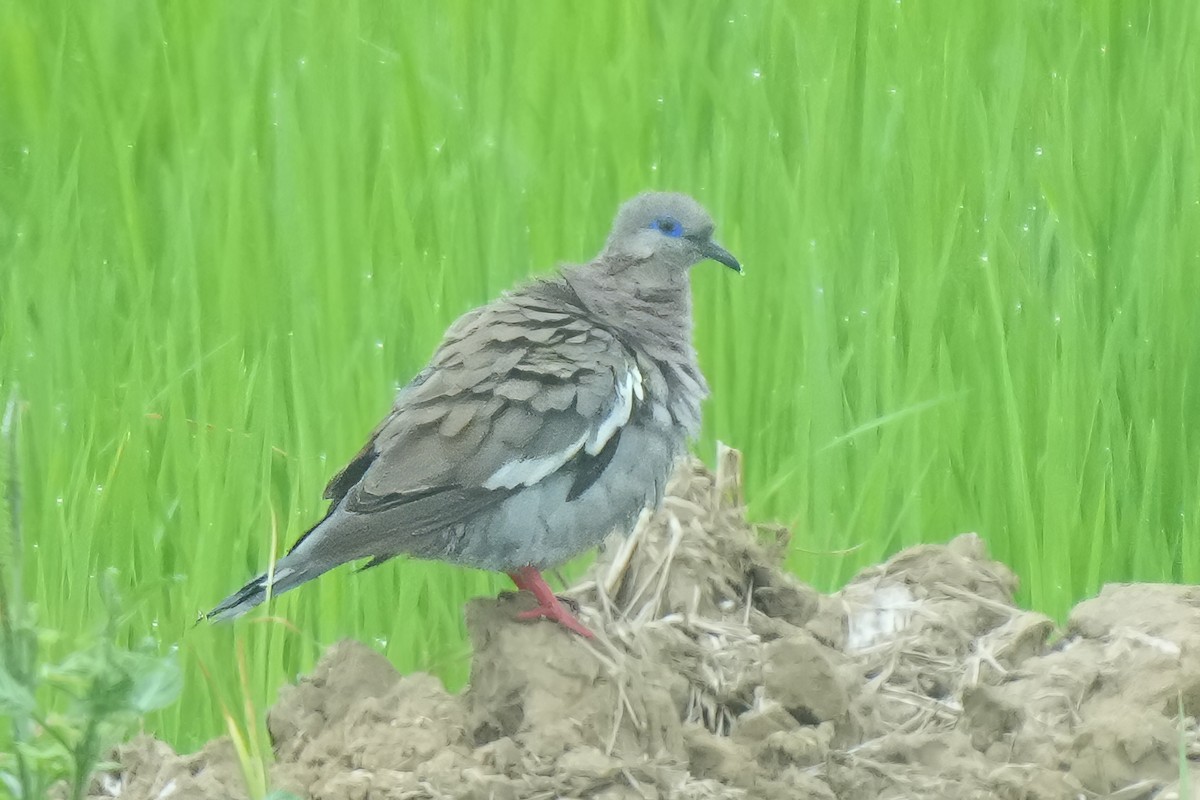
[673,391]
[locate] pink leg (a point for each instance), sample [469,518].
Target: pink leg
[529,579]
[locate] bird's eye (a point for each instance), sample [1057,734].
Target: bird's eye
[668,226]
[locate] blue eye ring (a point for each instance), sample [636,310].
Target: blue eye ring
[668,226]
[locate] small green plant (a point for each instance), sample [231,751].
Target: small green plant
[58,716]
[106,688]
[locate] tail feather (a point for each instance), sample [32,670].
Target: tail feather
[311,556]
[300,564]
[255,593]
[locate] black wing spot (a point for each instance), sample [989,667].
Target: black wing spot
[374,562]
[352,473]
[589,468]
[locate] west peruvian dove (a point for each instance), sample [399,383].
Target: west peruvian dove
[545,420]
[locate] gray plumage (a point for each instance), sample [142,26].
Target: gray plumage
[545,420]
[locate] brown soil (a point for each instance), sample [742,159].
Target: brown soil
[717,675]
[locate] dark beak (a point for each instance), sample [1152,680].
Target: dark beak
[710,249]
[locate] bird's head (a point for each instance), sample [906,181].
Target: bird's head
[672,229]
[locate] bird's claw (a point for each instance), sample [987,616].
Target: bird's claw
[556,612]
[550,606]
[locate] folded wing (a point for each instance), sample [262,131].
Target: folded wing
[519,391]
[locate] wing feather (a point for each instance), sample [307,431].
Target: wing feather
[515,394]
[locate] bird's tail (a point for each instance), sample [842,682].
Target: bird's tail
[308,558]
[255,592]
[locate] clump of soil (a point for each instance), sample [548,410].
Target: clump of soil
[715,674]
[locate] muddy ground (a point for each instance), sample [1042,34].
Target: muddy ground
[717,675]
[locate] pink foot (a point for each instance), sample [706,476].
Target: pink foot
[549,606]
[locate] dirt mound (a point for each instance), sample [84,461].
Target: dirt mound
[717,675]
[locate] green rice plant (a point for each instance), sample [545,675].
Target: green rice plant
[247,735]
[229,230]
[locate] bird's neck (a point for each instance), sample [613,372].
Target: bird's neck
[656,314]
[654,320]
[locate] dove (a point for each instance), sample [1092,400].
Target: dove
[544,421]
